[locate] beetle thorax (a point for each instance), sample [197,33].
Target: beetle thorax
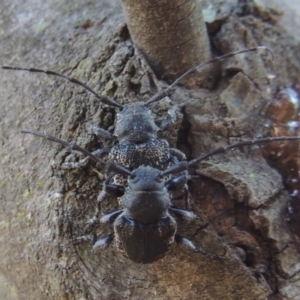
[135,124]
[146,199]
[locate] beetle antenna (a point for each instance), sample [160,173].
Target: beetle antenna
[164,93]
[70,146]
[221,150]
[103,99]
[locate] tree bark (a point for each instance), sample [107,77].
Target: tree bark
[172,36]
[242,202]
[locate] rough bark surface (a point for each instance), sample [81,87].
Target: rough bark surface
[241,200]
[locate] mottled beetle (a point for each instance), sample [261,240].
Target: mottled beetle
[145,172]
[144,228]
[135,129]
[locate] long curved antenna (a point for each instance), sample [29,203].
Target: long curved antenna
[70,146]
[160,95]
[103,99]
[221,150]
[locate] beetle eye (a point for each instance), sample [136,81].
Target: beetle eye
[132,176]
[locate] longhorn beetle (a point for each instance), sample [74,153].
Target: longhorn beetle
[135,128]
[142,132]
[144,228]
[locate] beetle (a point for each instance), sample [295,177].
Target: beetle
[144,228]
[135,128]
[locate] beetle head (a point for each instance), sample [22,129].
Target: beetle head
[146,179]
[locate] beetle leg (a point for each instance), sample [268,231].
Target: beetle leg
[182,214]
[91,238]
[111,217]
[104,242]
[100,132]
[179,183]
[82,163]
[115,190]
[171,118]
[188,244]
[177,154]
[112,190]
[176,183]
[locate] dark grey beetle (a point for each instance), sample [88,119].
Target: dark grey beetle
[144,228]
[135,129]
[145,218]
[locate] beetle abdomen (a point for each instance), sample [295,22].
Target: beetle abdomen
[144,243]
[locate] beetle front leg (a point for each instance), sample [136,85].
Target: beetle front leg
[112,190]
[100,133]
[172,117]
[177,183]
